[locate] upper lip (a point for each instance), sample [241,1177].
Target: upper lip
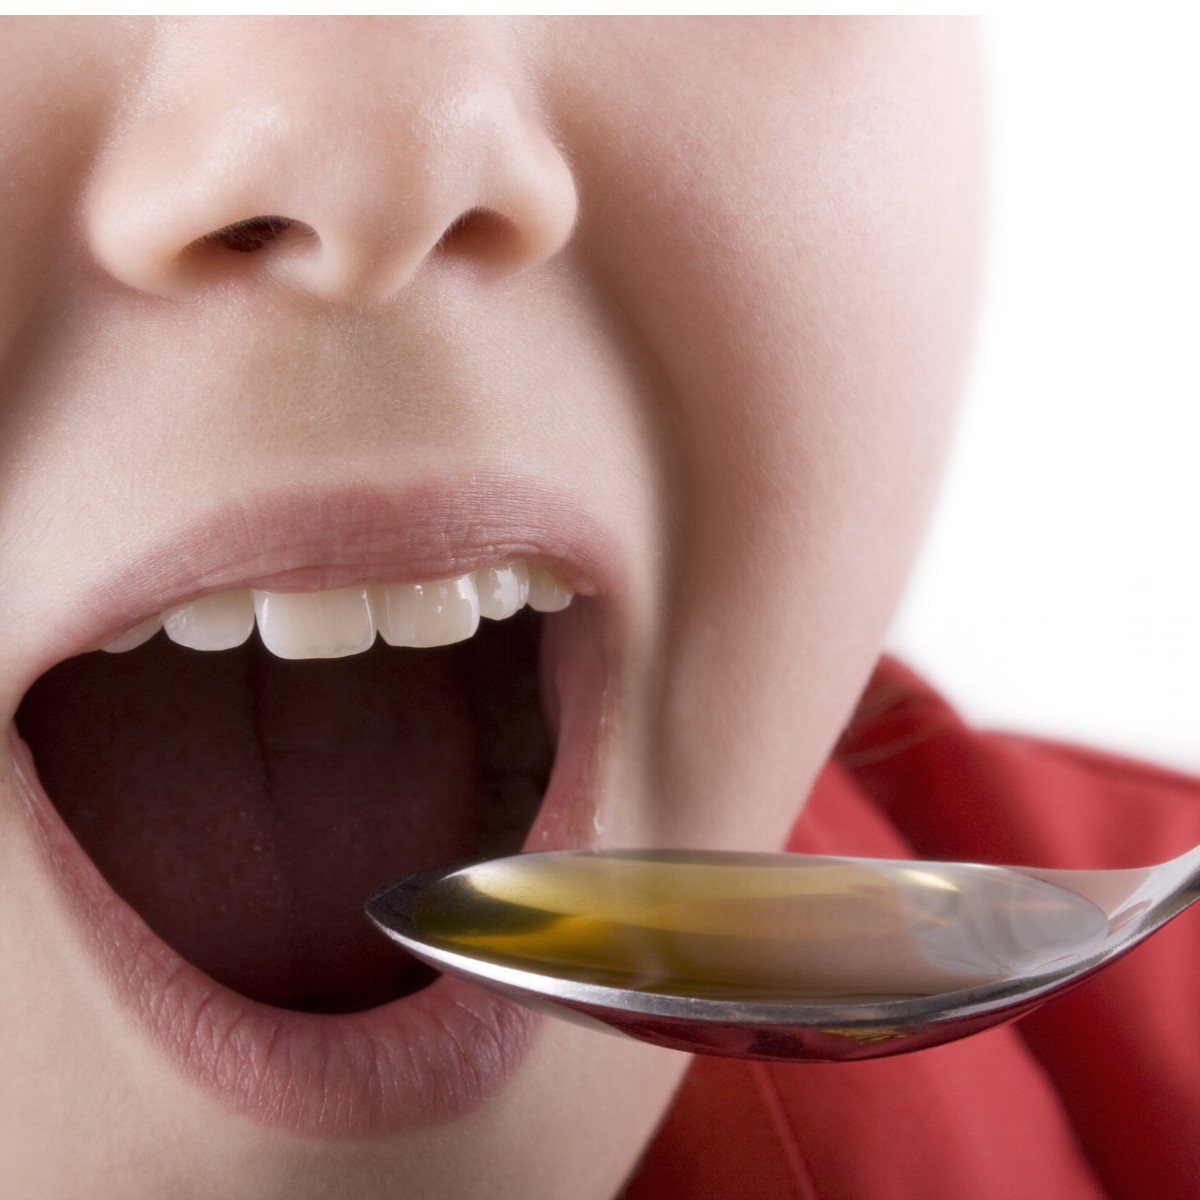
[308,539]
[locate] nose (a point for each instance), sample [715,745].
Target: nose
[337,156]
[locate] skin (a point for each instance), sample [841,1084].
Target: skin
[727,306]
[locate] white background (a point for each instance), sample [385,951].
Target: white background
[1060,588]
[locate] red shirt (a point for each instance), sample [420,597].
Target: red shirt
[1095,1095]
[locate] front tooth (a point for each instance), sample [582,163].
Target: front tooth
[130,640]
[427,614]
[502,590]
[329,624]
[547,593]
[217,622]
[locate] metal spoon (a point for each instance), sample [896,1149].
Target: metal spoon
[778,956]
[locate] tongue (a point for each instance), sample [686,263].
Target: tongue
[247,806]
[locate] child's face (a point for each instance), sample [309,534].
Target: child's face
[676,308]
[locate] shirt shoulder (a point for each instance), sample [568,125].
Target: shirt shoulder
[1097,1095]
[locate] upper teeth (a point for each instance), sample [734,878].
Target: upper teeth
[343,621]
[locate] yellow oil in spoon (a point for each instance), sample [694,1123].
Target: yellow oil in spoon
[754,927]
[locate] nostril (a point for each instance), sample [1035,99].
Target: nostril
[481,233]
[253,234]
[225,252]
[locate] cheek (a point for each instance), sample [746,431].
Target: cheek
[791,220]
[59,78]
[791,224]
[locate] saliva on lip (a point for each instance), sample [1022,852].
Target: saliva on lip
[766,928]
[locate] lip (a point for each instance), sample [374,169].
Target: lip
[438,1053]
[308,540]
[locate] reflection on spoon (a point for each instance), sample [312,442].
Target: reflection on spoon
[777,956]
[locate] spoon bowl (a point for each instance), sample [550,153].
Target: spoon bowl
[778,956]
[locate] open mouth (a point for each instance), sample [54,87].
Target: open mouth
[246,799]
[218,798]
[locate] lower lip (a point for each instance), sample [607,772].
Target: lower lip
[422,1060]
